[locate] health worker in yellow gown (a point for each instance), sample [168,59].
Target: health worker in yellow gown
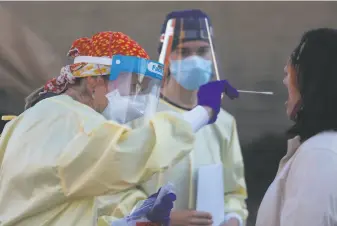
[62,153]
[192,64]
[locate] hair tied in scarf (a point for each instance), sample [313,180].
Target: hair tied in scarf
[60,84]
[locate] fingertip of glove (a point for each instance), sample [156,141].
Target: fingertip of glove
[170,197]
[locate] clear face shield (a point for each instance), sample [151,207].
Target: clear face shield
[188,53]
[133,88]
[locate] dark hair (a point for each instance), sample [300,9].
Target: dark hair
[315,62]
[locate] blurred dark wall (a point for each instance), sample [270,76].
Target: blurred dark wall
[2,123]
[253,41]
[261,158]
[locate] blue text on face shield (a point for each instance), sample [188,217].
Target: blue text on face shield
[191,72]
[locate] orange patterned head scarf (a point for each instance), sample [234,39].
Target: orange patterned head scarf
[104,45]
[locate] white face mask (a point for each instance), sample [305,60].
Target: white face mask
[123,109]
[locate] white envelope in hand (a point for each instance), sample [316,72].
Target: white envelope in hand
[210,192]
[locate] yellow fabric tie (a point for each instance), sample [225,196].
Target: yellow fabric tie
[8,117]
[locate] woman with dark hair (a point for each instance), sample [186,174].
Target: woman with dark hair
[304,192]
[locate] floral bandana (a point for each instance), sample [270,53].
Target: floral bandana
[103,44]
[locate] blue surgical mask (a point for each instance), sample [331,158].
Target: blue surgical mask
[191,72]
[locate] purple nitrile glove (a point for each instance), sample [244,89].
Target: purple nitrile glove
[161,212]
[210,95]
[156,209]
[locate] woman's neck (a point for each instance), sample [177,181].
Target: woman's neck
[178,95]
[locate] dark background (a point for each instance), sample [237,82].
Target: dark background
[253,41]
